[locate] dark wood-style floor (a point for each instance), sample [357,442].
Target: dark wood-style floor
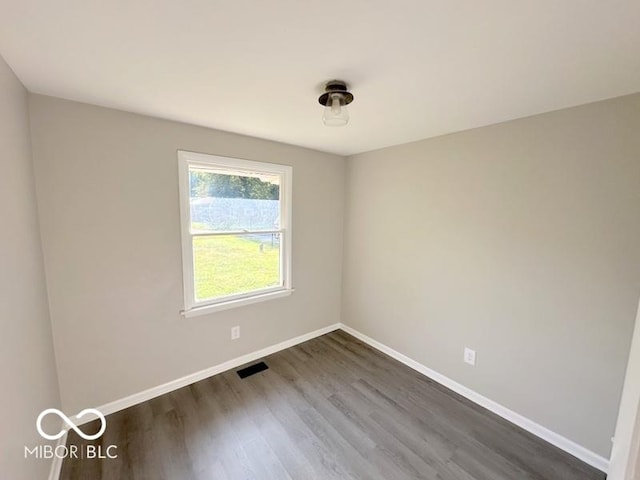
[330,408]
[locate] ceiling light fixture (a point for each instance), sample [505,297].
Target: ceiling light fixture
[335,101]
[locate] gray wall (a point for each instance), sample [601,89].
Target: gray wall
[520,240]
[107,183]
[27,363]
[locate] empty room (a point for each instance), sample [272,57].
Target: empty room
[364,240]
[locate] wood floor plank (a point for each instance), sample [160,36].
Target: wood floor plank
[266,410]
[331,408]
[350,446]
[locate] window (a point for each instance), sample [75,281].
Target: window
[236,231]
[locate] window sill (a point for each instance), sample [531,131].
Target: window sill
[217,307]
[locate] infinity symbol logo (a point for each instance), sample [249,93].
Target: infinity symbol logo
[68,421]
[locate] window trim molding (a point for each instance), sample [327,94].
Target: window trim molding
[193,308]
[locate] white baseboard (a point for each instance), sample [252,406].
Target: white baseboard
[154,392]
[56,464]
[553,438]
[558,440]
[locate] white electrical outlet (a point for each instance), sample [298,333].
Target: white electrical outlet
[469,356]
[235,332]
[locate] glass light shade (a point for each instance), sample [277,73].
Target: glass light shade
[335,113]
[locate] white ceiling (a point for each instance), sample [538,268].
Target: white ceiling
[417,68]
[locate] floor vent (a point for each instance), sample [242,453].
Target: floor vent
[252,370]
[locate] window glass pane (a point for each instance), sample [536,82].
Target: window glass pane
[232,264]
[232,201]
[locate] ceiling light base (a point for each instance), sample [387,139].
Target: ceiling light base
[335,86]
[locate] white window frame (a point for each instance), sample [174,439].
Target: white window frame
[193,307]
